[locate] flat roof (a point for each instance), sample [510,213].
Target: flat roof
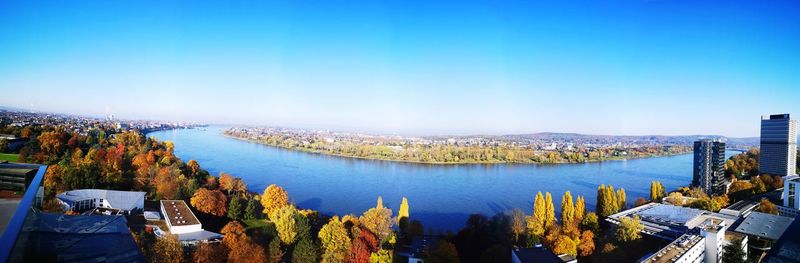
[536,254]
[764,225]
[675,250]
[787,248]
[178,213]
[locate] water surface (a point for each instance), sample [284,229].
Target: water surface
[441,196]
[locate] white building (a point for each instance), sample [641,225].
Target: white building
[182,222]
[703,246]
[791,192]
[87,199]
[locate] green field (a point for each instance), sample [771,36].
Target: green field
[11,157]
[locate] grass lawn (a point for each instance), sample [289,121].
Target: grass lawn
[11,157]
[256,223]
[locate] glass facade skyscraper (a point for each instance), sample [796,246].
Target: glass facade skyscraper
[709,161]
[778,145]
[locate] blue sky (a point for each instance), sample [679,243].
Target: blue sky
[411,67]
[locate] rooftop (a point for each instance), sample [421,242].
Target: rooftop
[178,213]
[536,254]
[764,225]
[674,250]
[787,248]
[125,200]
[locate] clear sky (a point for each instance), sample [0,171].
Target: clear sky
[410,67]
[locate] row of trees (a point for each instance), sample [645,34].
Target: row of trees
[401,151]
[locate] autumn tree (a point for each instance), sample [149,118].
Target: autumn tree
[629,229]
[621,199]
[591,222]
[580,208]
[335,241]
[167,249]
[640,202]
[549,210]
[378,220]
[765,206]
[518,224]
[193,168]
[210,201]
[209,252]
[565,245]
[567,209]
[402,213]
[675,198]
[240,247]
[274,198]
[607,203]
[285,223]
[586,245]
[363,246]
[536,220]
[656,191]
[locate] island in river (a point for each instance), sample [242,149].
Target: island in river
[535,148]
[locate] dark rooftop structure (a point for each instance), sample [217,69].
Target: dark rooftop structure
[787,248]
[537,254]
[16,176]
[763,225]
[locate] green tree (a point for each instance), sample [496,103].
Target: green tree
[733,252]
[335,241]
[629,229]
[591,222]
[236,208]
[442,252]
[285,223]
[275,251]
[252,210]
[305,251]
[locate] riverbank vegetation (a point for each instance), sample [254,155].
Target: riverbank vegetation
[453,154]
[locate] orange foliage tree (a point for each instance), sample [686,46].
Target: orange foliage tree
[210,201]
[274,198]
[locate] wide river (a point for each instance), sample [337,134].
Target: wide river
[441,196]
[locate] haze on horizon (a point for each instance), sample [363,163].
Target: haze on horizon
[635,67]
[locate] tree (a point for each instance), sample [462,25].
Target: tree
[758,185]
[586,246]
[285,223]
[167,249]
[607,203]
[252,210]
[274,198]
[193,168]
[304,252]
[517,223]
[335,241]
[580,209]
[402,213]
[765,206]
[236,208]
[240,247]
[565,245]
[591,222]
[656,191]
[442,252]
[378,220]
[640,202]
[621,200]
[629,229]
[363,246]
[675,198]
[210,202]
[733,252]
[209,252]
[777,181]
[567,209]
[536,221]
[549,210]
[382,256]
[275,251]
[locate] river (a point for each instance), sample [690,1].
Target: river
[441,196]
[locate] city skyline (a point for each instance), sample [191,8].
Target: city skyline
[623,68]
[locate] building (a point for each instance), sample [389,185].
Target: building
[539,254]
[740,209]
[791,192]
[709,161]
[16,176]
[669,221]
[778,145]
[763,229]
[787,247]
[688,248]
[83,200]
[182,222]
[705,243]
[415,252]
